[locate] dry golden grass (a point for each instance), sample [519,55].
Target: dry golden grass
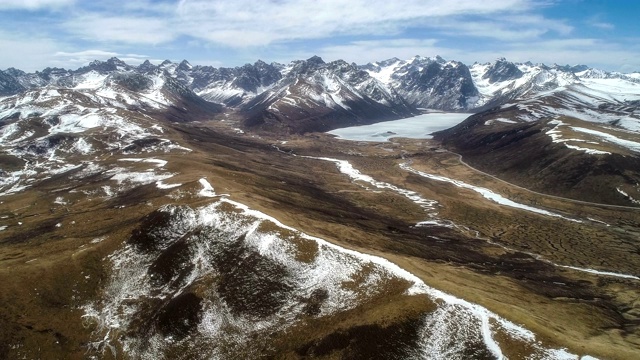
[47,272]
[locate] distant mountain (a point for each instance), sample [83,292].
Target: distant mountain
[317,96]
[312,95]
[9,84]
[572,135]
[98,109]
[428,82]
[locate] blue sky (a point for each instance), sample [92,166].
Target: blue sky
[35,34]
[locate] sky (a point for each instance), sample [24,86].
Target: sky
[35,34]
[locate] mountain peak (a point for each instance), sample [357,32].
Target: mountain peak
[14,72]
[389,61]
[502,70]
[103,67]
[115,61]
[146,66]
[579,68]
[185,65]
[385,63]
[439,59]
[315,60]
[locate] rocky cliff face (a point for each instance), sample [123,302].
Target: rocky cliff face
[8,84]
[502,70]
[428,82]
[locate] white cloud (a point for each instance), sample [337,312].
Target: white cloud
[33,4]
[597,22]
[362,52]
[246,23]
[592,52]
[82,58]
[148,6]
[124,29]
[526,20]
[602,25]
[33,52]
[93,54]
[25,52]
[489,29]
[505,28]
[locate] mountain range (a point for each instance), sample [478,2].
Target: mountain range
[312,95]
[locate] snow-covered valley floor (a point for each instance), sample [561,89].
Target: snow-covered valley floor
[417,127]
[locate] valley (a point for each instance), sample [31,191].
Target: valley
[467,245]
[139,219]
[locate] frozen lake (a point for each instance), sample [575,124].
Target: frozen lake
[417,127]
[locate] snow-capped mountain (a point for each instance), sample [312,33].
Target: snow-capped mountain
[228,86]
[54,111]
[311,95]
[53,128]
[570,134]
[9,85]
[318,96]
[503,81]
[432,83]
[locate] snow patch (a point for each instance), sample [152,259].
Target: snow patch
[346,168]
[142,178]
[164,186]
[207,189]
[486,193]
[502,120]
[598,272]
[623,193]
[158,162]
[556,137]
[628,144]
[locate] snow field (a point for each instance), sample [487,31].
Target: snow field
[417,127]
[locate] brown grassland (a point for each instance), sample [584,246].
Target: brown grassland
[52,256]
